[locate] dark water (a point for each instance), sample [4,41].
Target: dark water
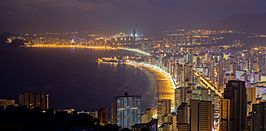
[72,77]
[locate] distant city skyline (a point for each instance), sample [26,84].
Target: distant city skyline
[198,79]
[120,15]
[188,65]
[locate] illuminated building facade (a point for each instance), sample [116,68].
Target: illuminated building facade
[6,102]
[181,95]
[149,114]
[201,115]
[164,108]
[34,100]
[103,116]
[126,110]
[235,91]
[224,115]
[251,98]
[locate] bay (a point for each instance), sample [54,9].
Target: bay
[71,77]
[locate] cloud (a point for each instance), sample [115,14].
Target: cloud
[27,6]
[111,15]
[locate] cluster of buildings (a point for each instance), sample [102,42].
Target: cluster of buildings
[40,101]
[217,87]
[217,82]
[29,100]
[193,114]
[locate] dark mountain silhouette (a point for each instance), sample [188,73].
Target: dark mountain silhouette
[15,41]
[248,22]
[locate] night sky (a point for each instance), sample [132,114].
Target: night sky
[124,15]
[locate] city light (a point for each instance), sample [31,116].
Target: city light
[188,67]
[127,65]
[88,47]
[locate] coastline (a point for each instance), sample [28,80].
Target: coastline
[164,86]
[70,76]
[89,47]
[151,91]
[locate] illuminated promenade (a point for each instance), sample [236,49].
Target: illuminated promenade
[88,47]
[165,83]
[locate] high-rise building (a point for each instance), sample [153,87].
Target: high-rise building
[164,109]
[181,95]
[224,115]
[259,117]
[235,91]
[188,74]
[201,115]
[180,74]
[251,98]
[211,71]
[149,114]
[126,110]
[44,101]
[134,37]
[6,102]
[102,116]
[34,100]
[182,113]
[263,65]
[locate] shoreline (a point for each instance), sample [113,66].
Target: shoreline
[89,47]
[164,86]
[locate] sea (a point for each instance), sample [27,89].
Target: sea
[72,77]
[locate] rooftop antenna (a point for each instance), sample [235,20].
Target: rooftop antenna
[134,36]
[126,94]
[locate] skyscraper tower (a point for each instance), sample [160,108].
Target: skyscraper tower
[34,100]
[134,37]
[259,117]
[181,95]
[182,113]
[235,91]
[201,115]
[44,101]
[221,73]
[224,115]
[126,110]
